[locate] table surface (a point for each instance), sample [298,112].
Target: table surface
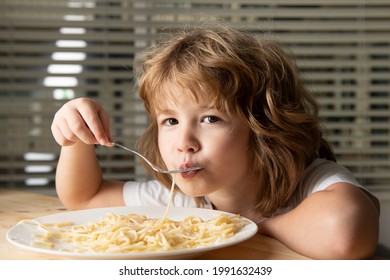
[18,205]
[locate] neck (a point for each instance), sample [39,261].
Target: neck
[242,202]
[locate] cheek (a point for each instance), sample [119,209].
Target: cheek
[232,150]
[164,146]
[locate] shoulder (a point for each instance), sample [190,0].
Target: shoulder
[318,176]
[321,174]
[328,175]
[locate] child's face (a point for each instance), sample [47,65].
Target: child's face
[196,134]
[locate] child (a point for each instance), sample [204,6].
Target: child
[236,107]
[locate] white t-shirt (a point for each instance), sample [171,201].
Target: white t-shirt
[318,176]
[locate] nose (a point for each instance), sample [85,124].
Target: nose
[187,141]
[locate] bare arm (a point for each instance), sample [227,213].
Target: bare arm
[77,126]
[341,222]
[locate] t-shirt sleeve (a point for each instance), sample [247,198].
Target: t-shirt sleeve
[326,173]
[318,176]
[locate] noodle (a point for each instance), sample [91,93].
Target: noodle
[170,198]
[137,233]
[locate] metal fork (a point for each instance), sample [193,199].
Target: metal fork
[155,168]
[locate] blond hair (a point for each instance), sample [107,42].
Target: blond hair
[252,78]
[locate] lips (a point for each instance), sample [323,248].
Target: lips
[189,174]
[186,165]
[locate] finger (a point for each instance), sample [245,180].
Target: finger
[76,127]
[59,137]
[58,133]
[94,124]
[105,121]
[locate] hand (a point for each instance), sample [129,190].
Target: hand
[84,120]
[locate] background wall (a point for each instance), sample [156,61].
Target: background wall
[55,50]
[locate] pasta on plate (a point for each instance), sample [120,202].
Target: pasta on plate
[117,233]
[135,233]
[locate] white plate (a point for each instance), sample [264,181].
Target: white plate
[22,235]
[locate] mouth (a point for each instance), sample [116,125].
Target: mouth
[190,174]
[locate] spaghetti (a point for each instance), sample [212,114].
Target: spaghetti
[137,233]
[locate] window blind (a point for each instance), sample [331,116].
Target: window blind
[53,51]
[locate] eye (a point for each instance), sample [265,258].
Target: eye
[211,119]
[170,121]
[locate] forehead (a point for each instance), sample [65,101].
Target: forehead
[173,94]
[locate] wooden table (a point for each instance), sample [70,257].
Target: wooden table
[19,205]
